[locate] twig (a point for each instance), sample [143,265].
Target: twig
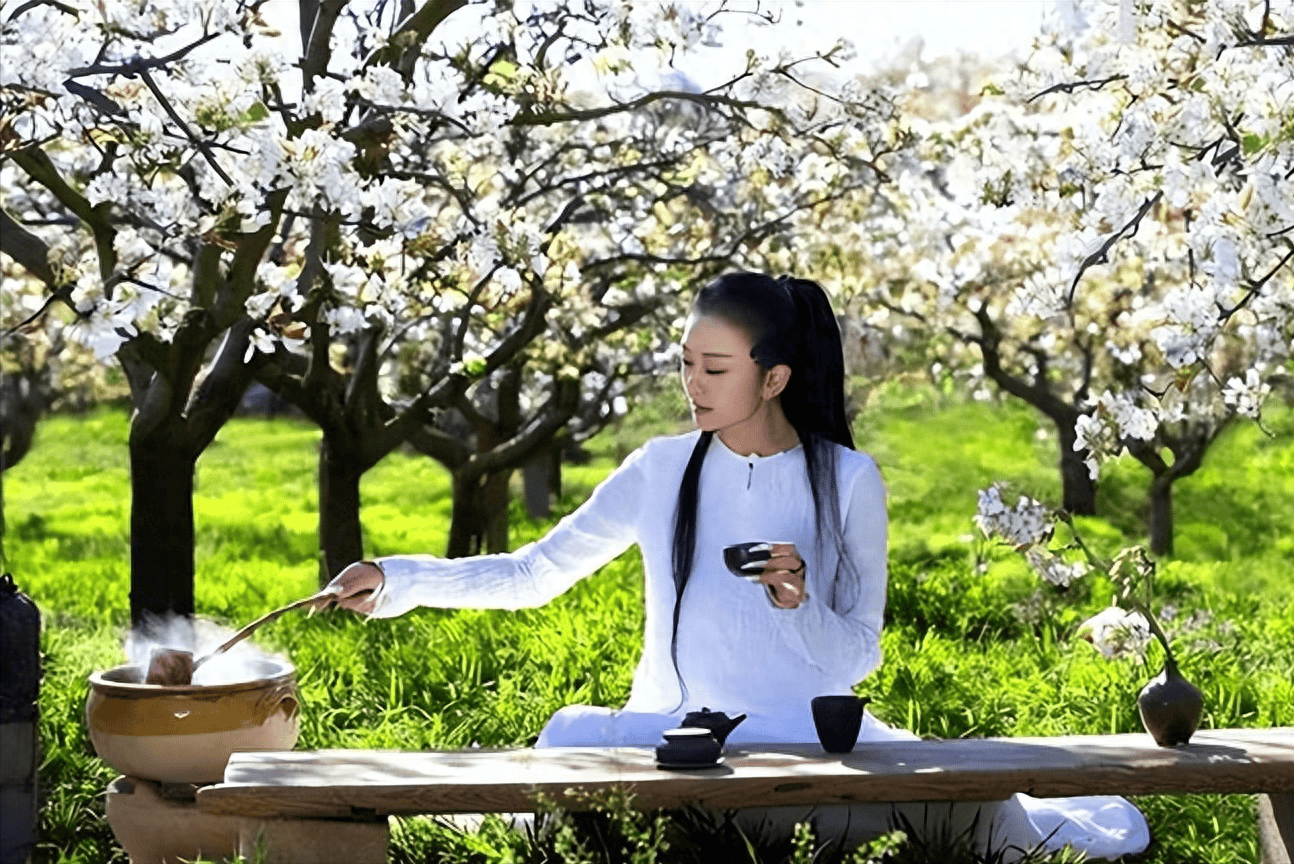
[1100,255]
[139,65]
[707,100]
[193,139]
[64,294]
[1255,286]
[1185,31]
[32,4]
[1279,40]
[1071,86]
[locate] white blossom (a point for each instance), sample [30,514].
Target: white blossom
[260,341]
[1117,632]
[1026,524]
[1247,395]
[1053,568]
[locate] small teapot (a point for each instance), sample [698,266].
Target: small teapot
[719,723]
[688,747]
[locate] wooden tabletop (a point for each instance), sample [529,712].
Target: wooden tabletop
[350,783]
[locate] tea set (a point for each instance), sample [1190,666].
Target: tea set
[698,741]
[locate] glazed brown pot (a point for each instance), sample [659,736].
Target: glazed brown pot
[185,734]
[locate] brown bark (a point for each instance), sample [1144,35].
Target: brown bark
[537,483]
[1079,489]
[161,525]
[462,520]
[1161,515]
[1077,486]
[1188,446]
[340,537]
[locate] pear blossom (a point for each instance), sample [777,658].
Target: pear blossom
[1026,524]
[261,342]
[1247,395]
[1054,569]
[1090,198]
[1117,632]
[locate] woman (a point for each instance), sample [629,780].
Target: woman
[772,460]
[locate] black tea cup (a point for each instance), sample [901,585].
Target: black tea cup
[838,719]
[747,560]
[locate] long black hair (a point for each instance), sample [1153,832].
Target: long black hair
[790,322]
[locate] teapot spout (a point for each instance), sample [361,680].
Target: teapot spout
[719,723]
[733,723]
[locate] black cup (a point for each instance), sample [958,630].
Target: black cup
[838,719]
[747,559]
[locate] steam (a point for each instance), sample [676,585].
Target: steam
[243,662]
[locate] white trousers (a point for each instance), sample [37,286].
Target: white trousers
[1101,826]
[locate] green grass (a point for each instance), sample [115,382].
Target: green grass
[973,644]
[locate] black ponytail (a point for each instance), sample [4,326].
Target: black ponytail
[685,537]
[790,322]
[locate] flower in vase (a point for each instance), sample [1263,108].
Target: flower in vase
[1117,632]
[1170,706]
[1054,569]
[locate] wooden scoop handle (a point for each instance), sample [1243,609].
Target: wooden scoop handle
[267,617]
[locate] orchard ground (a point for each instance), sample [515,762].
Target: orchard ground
[961,613]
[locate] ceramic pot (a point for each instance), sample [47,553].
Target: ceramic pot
[688,745]
[185,733]
[1170,707]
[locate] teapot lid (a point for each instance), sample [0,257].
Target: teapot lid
[705,712]
[687,733]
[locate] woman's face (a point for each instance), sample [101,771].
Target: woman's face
[724,386]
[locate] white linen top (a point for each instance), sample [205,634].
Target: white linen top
[736,651]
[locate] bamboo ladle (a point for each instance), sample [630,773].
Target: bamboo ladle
[170,667]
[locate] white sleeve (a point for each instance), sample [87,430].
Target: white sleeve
[602,528]
[847,639]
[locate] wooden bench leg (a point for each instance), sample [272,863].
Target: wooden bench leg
[312,841]
[1276,827]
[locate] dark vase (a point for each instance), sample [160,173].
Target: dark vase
[1170,707]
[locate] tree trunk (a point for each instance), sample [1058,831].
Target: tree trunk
[495,497]
[341,541]
[537,483]
[1161,514]
[161,527]
[479,520]
[1078,487]
[464,539]
[555,469]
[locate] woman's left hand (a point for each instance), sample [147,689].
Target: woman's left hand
[784,575]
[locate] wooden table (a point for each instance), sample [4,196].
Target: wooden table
[360,784]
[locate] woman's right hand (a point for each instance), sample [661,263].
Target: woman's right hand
[356,588]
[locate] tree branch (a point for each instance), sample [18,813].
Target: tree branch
[215,399]
[362,393]
[248,255]
[707,101]
[444,448]
[318,50]
[1100,255]
[1037,395]
[559,408]
[38,166]
[1256,286]
[26,248]
[140,65]
[32,4]
[410,35]
[1071,86]
[179,121]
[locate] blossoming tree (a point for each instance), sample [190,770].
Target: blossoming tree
[433,219]
[1107,235]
